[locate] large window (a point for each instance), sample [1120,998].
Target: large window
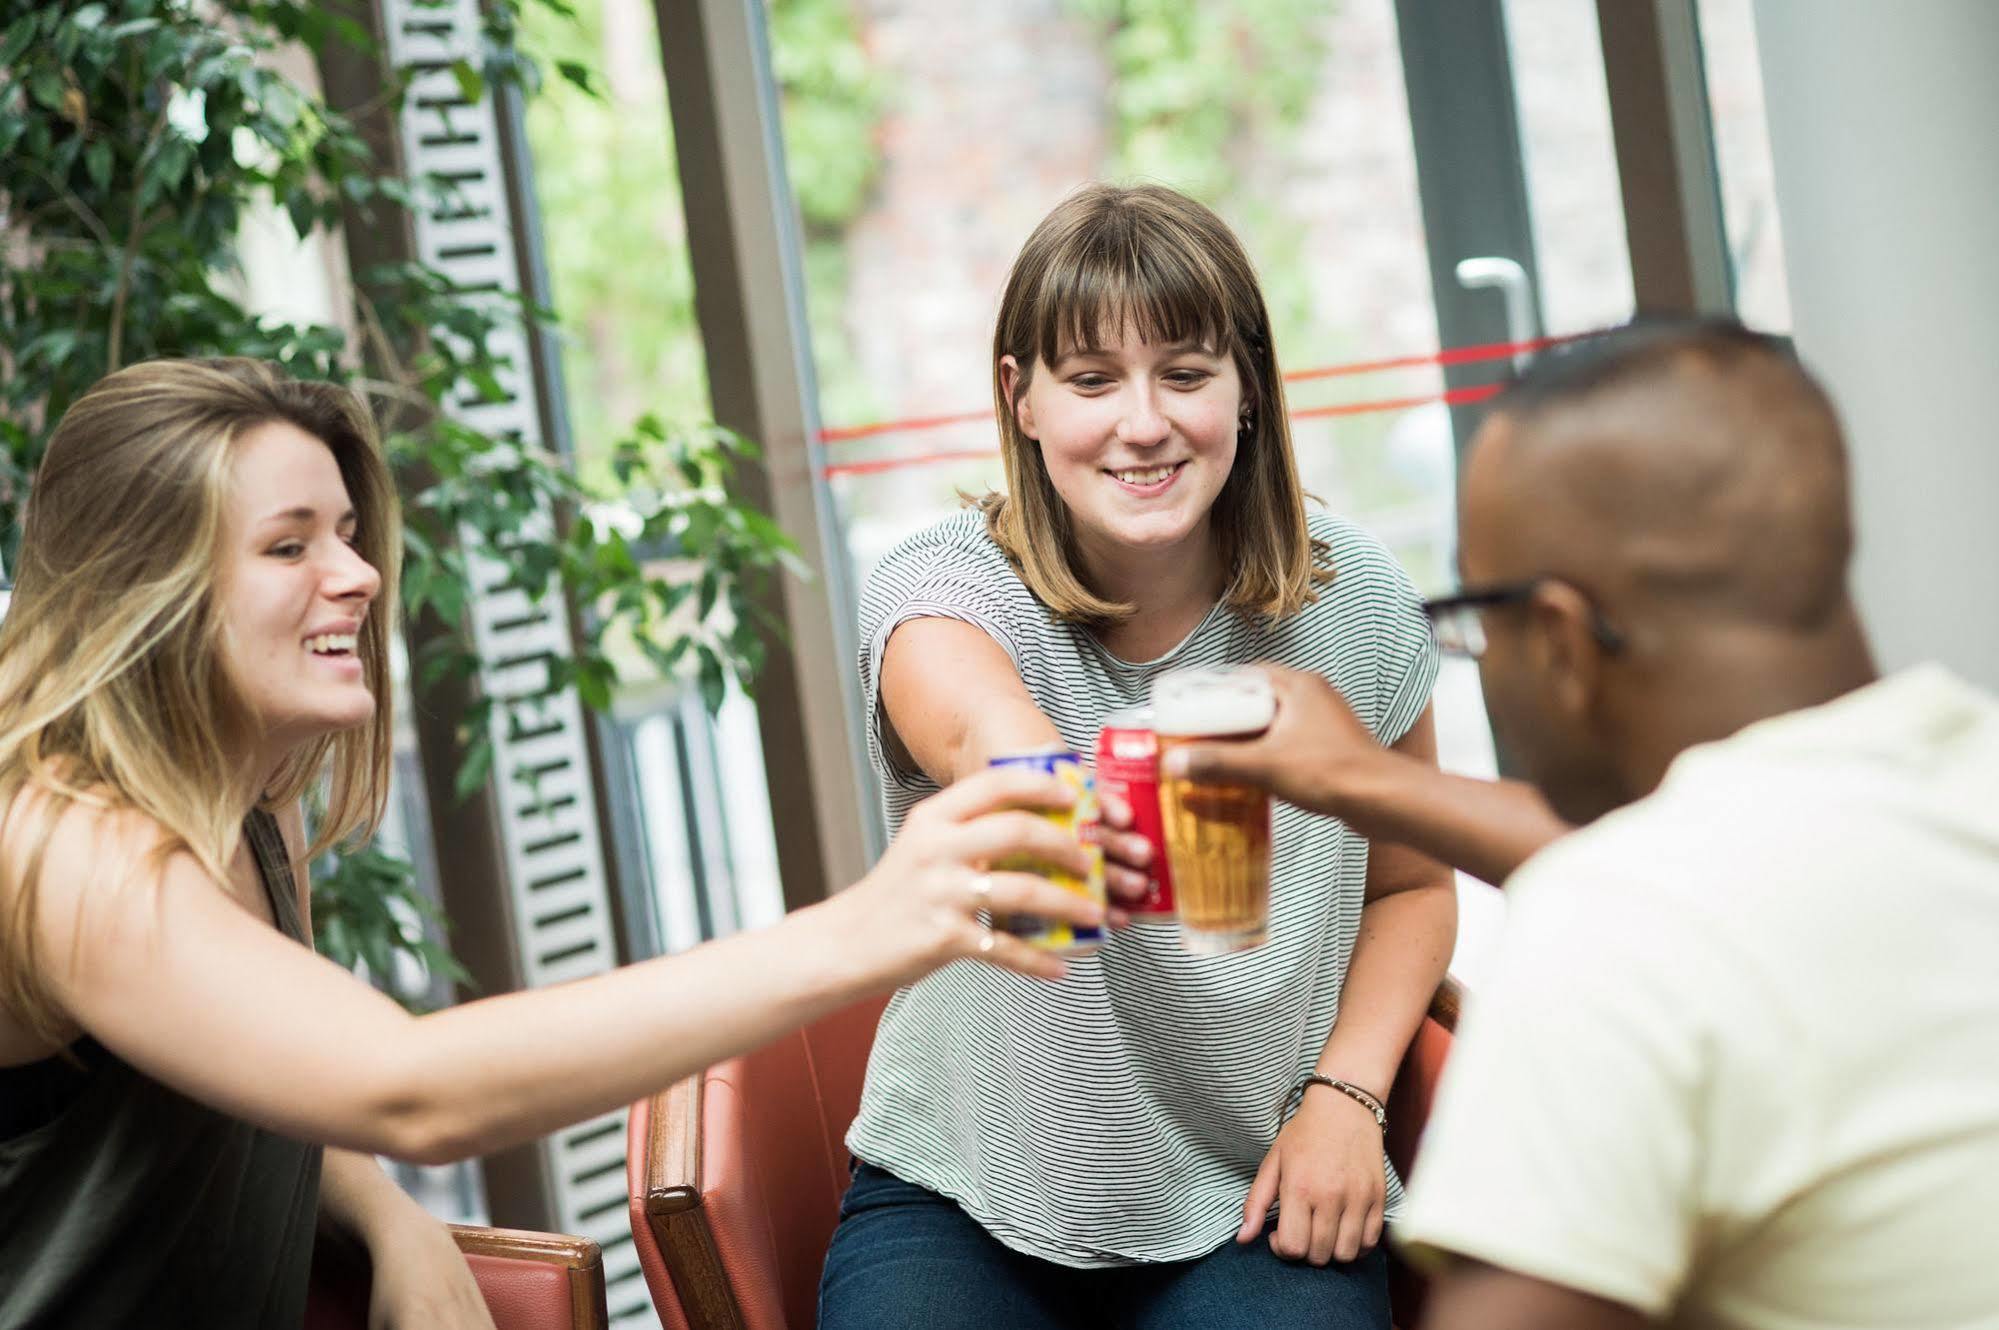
[924,140]
[1571,163]
[961,126]
[686,790]
[1742,160]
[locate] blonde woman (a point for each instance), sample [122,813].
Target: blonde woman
[1107,1150]
[200,629]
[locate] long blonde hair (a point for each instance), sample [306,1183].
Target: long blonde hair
[1154,259]
[112,688]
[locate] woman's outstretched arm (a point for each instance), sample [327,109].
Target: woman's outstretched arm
[181,980]
[952,700]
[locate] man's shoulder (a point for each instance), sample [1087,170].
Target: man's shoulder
[1899,770]
[1698,888]
[1705,816]
[1636,891]
[1607,844]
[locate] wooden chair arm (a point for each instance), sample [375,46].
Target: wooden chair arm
[499,1256]
[672,1169]
[1446,1002]
[519,1244]
[531,1281]
[671,1202]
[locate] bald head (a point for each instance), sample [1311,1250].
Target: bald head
[1675,499]
[1693,467]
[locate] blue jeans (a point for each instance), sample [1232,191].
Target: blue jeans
[905,1258]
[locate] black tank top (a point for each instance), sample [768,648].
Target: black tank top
[124,1203]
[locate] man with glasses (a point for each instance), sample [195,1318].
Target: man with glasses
[1738,1064]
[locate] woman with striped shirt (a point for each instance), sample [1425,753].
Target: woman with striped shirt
[1110,1149]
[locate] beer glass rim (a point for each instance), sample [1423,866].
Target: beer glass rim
[1244,701]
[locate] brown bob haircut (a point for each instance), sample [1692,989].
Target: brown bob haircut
[1152,260]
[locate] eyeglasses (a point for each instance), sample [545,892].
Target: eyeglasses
[1456,621]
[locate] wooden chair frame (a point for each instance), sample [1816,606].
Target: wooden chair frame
[340,1274]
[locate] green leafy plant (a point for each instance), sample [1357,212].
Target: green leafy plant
[604,157]
[1191,86]
[366,912]
[1190,82]
[137,138]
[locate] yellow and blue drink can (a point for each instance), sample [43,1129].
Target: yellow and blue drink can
[1056,934]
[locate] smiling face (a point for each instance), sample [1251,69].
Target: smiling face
[292,589]
[1138,438]
[1133,346]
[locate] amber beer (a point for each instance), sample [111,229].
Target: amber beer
[1217,835]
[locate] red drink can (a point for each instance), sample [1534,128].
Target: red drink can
[1128,766]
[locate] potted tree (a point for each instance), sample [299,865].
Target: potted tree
[135,138]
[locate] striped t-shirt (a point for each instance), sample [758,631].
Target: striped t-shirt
[1120,1115]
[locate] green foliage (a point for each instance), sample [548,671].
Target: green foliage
[1191,82]
[132,141]
[831,97]
[612,208]
[1197,90]
[830,103]
[615,239]
[367,910]
[136,136]
[667,560]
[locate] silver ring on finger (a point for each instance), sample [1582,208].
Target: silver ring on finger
[987,941]
[982,891]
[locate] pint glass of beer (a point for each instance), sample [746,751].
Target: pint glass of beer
[1217,836]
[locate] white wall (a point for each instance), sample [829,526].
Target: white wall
[1884,127]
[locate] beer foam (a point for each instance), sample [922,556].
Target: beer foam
[1212,702]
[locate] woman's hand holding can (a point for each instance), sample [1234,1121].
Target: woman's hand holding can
[932,897]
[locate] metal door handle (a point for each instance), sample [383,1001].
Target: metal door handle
[1511,279]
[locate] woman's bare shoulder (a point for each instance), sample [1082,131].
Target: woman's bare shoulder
[96,872]
[95,857]
[74,823]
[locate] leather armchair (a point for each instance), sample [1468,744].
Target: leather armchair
[532,1281]
[736,1174]
[1408,1112]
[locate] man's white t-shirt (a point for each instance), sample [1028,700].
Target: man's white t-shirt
[1738,1063]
